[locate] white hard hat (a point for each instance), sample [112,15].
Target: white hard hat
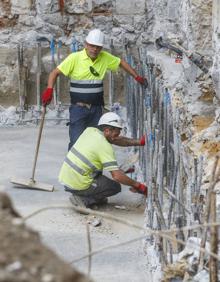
[95,37]
[111,119]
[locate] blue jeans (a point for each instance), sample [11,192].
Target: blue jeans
[80,118]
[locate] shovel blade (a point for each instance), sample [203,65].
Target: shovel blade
[30,184]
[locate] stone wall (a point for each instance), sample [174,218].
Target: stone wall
[192,24]
[28,21]
[216,46]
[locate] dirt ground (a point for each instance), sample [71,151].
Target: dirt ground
[63,230]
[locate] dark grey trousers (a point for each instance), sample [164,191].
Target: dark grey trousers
[101,188]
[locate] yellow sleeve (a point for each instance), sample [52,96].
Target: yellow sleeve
[107,157]
[67,65]
[113,62]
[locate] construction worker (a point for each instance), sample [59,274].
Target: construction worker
[86,69]
[81,172]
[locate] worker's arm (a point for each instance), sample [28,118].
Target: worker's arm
[126,142]
[121,177]
[48,93]
[52,77]
[132,72]
[128,68]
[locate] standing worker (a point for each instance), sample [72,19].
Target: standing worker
[86,69]
[81,172]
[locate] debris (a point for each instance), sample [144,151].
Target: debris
[6,204]
[190,253]
[121,207]
[17,221]
[95,222]
[48,278]
[176,270]
[14,266]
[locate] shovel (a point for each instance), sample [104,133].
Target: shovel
[32,183]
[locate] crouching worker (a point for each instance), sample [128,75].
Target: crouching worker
[81,172]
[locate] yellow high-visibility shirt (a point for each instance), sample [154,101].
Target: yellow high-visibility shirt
[76,65]
[91,153]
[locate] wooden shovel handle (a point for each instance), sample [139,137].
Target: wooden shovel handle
[38,142]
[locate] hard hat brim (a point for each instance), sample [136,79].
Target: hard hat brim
[94,43]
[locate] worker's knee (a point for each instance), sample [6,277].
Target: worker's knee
[118,187]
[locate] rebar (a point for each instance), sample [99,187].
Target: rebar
[165,165]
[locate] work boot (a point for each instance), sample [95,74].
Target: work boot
[78,202]
[102,201]
[98,203]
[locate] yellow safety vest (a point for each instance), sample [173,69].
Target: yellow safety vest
[87,76]
[90,154]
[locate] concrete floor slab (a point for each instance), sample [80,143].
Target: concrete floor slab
[63,230]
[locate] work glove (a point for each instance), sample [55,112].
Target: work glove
[130,170]
[141,80]
[47,96]
[141,189]
[142,140]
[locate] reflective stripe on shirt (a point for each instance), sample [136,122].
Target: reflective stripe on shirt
[109,164]
[74,166]
[89,82]
[83,159]
[87,91]
[86,86]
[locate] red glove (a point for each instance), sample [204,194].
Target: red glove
[141,189]
[130,169]
[142,140]
[47,96]
[141,80]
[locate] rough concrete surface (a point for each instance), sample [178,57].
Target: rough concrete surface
[63,230]
[23,257]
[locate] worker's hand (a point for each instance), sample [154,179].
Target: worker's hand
[140,188]
[130,170]
[142,140]
[47,96]
[141,80]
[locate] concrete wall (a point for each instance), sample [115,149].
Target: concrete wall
[193,24]
[216,46]
[27,21]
